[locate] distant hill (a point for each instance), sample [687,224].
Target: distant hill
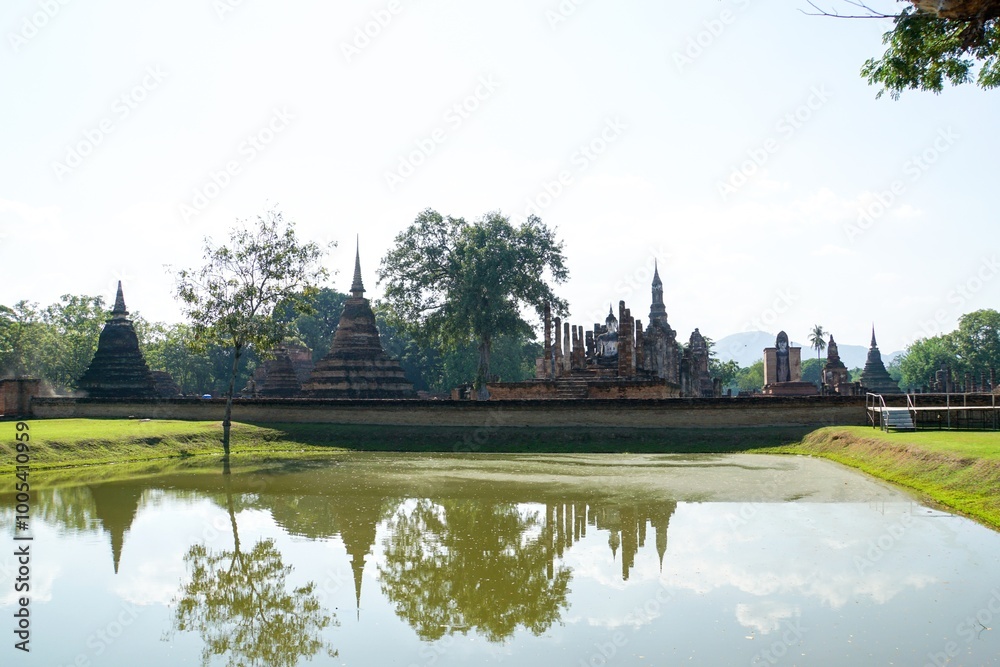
[748,346]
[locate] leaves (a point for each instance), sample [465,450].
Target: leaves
[231,299]
[924,51]
[449,281]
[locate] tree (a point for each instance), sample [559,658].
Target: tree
[239,603]
[751,379]
[318,323]
[816,339]
[812,371]
[231,299]
[977,340]
[473,565]
[934,41]
[73,328]
[449,281]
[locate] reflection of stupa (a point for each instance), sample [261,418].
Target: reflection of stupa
[626,526]
[354,518]
[115,506]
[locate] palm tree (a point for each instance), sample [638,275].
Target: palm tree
[816,338]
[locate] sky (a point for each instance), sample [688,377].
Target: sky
[733,142]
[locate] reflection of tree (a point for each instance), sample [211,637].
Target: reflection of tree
[239,604]
[463,565]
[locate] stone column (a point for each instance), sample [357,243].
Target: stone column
[557,352]
[547,348]
[640,349]
[567,350]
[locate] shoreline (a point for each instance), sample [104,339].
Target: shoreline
[959,470]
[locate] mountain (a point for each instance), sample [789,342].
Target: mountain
[748,346]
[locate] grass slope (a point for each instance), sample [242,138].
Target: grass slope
[55,443]
[958,469]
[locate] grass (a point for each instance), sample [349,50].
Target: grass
[958,469]
[58,443]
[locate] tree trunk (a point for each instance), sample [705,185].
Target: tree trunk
[483,373]
[227,420]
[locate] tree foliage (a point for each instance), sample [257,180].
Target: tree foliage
[231,299]
[449,281]
[55,343]
[463,565]
[751,379]
[934,42]
[239,603]
[817,341]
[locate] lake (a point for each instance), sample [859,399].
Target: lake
[589,560]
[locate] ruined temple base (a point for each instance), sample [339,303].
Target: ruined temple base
[573,387]
[790,389]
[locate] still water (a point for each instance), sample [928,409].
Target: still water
[512,560]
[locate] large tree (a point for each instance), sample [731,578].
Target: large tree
[453,281]
[231,299]
[816,339]
[933,42]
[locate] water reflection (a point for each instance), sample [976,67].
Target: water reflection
[431,557]
[240,605]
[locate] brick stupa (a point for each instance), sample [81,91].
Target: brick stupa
[118,369]
[874,377]
[357,366]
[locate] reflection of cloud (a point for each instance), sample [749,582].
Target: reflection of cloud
[765,616]
[797,550]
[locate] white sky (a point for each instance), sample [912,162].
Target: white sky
[201,76]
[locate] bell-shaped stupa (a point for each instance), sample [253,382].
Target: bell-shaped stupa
[357,366]
[118,369]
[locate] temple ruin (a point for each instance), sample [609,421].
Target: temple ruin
[874,377]
[357,366]
[118,369]
[617,359]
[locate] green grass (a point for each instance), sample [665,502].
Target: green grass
[958,469]
[56,443]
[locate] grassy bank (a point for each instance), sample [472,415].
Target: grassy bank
[959,469]
[59,443]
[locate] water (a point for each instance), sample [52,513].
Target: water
[516,560]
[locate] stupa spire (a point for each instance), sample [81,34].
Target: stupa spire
[119,312]
[656,275]
[874,344]
[357,287]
